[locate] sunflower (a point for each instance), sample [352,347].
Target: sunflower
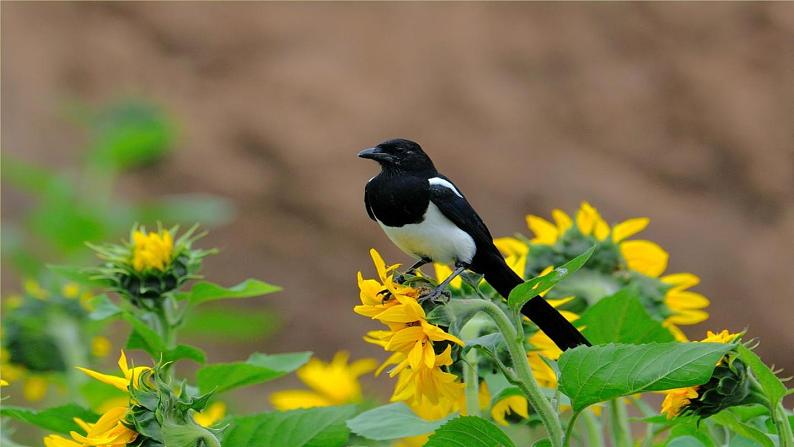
[642,256]
[332,383]
[422,373]
[620,261]
[111,429]
[678,400]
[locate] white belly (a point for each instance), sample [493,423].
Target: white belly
[436,238]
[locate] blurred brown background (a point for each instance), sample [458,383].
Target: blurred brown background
[679,112]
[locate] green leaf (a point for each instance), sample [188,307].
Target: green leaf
[469,431]
[143,337]
[688,432]
[185,352]
[770,383]
[730,421]
[258,368]
[26,176]
[207,291]
[312,427]
[76,274]
[229,324]
[621,318]
[57,419]
[535,286]
[103,308]
[186,435]
[130,133]
[591,374]
[392,421]
[685,441]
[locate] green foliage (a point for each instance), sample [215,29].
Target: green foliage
[599,373]
[207,291]
[316,427]
[128,134]
[469,431]
[258,368]
[621,318]
[392,421]
[772,386]
[228,324]
[161,410]
[732,422]
[57,419]
[535,286]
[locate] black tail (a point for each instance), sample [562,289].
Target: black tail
[546,317]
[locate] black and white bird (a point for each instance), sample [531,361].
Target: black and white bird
[428,218]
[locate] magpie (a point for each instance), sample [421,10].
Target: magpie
[429,219]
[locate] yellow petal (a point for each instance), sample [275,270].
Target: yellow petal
[35,388]
[688,317]
[429,356]
[83,424]
[586,218]
[545,232]
[443,271]
[212,414]
[435,333]
[676,331]
[415,356]
[406,312]
[363,366]
[293,399]
[601,229]
[57,441]
[629,228]
[510,246]
[445,358]
[681,280]
[405,338]
[100,346]
[684,299]
[512,404]
[645,257]
[118,382]
[562,220]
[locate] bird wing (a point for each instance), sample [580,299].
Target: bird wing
[456,208]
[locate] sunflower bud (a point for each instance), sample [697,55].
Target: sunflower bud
[161,409]
[729,386]
[150,264]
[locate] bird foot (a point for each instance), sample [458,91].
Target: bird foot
[436,296]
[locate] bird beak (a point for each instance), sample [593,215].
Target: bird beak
[374,153]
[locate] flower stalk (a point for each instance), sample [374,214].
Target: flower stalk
[526,381]
[783,427]
[619,423]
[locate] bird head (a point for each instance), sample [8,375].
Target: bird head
[399,155]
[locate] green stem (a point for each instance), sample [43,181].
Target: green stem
[527,382]
[593,428]
[783,427]
[646,411]
[619,423]
[472,380]
[569,429]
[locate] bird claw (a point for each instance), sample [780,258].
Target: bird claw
[436,296]
[400,278]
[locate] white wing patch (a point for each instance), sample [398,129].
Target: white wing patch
[436,237]
[445,183]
